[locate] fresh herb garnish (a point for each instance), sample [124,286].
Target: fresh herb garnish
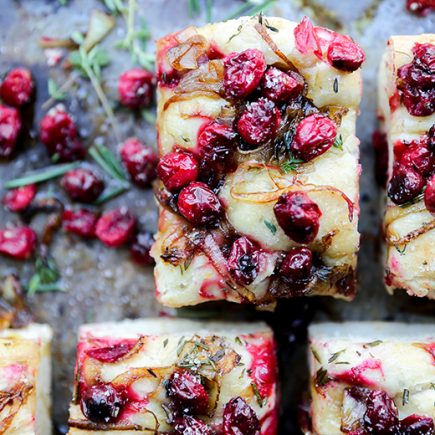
[335,355]
[149,116]
[316,355]
[373,343]
[335,86]
[108,161]
[112,193]
[251,7]
[260,400]
[400,250]
[165,342]
[291,164]
[338,143]
[54,91]
[271,227]
[413,201]
[271,28]
[46,277]
[405,397]
[238,341]
[322,377]
[116,7]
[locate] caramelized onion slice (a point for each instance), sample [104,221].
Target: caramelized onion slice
[185,55]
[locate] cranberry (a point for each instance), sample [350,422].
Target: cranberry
[297,267]
[345,55]
[10,126]
[18,243]
[101,403]
[279,86]
[244,260]
[136,88]
[17,87]
[259,122]
[240,418]
[140,161]
[110,354]
[188,425]
[199,204]
[315,134]
[381,416]
[405,184]
[243,72]
[419,157]
[81,222]
[115,227]
[298,216]
[431,139]
[177,170]
[420,7]
[140,249]
[20,198]
[82,185]
[416,425]
[186,393]
[59,134]
[429,195]
[306,39]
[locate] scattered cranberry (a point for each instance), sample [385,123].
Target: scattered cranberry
[243,72]
[405,184]
[315,134]
[279,86]
[259,122]
[136,88]
[416,425]
[140,161]
[110,354]
[82,222]
[10,126]
[188,425]
[101,403]
[140,249]
[17,87]
[431,139]
[306,39]
[345,55]
[240,418]
[20,198]
[177,170]
[429,195]
[297,267]
[381,416]
[115,227]
[419,157]
[298,216]
[420,7]
[18,243]
[199,204]
[82,185]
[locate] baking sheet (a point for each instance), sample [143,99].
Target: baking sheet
[103,284]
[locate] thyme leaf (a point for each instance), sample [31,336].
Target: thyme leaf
[251,7]
[260,400]
[291,164]
[338,143]
[405,397]
[373,343]
[271,227]
[316,355]
[54,91]
[335,355]
[46,276]
[322,377]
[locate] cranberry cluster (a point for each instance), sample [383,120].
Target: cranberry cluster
[420,7]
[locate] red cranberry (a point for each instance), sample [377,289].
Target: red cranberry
[417,425]
[177,170]
[82,185]
[405,184]
[431,139]
[17,87]
[306,39]
[240,418]
[279,86]
[81,222]
[259,122]
[101,403]
[420,7]
[380,144]
[110,354]
[244,260]
[140,161]
[298,216]
[20,198]
[315,134]
[10,126]
[188,425]
[345,55]
[186,393]
[140,249]
[429,195]
[381,416]
[136,88]
[18,243]
[116,227]
[243,72]
[297,267]
[199,204]
[419,157]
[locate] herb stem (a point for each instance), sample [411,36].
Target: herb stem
[106,196]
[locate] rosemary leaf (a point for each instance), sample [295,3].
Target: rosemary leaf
[405,397]
[373,343]
[291,164]
[110,194]
[322,377]
[338,142]
[46,276]
[335,355]
[257,394]
[209,10]
[316,355]
[270,226]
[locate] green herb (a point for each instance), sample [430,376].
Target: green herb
[251,7]
[335,86]
[116,7]
[110,194]
[270,226]
[291,164]
[405,397]
[108,161]
[401,251]
[316,355]
[239,29]
[271,28]
[342,362]
[184,266]
[165,342]
[63,2]
[238,341]
[209,10]
[373,343]
[335,355]
[46,277]
[149,116]
[193,7]
[339,142]
[322,377]
[54,91]
[257,394]
[413,201]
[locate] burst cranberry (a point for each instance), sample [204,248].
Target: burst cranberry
[419,157]
[315,134]
[240,418]
[177,170]
[420,7]
[82,185]
[18,243]
[405,184]
[186,393]
[140,161]
[110,354]
[115,227]
[431,139]
[101,403]
[243,72]
[199,204]
[298,216]
[417,425]
[259,122]
[136,88]
[140,249]
[279,86]
[429,195]
[297,267]
[306,39]
[81,222]
[10,126]
[19,199]
[381,416]
[188,425]
[17,87]
[345,55]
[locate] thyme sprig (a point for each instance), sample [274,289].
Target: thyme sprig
[46,277]
[291,164]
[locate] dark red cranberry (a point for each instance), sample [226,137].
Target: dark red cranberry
[177,170]
[116,227]
[240,418]
[199,204]
[381,417]
[345,55]
[10,126]
[20,198]
[82,222]
[298,216]
[380,145]
[297,267]
[306,39]
[405,184]
[429,195]
[315,134]
[420,7]
[17,87]
[18,243]
[186,393]
[110,354]
[244,260]
[101,403]
[82,185]
[419,157]
[140,249]
[417,425]
[430,137]
[136,88]
[259,122]
[188,425]
[140,161]
[280,86]
[243,72]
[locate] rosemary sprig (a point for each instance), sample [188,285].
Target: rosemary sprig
[291,164]
[110,194]
[46,277]
[108,161]
[270,226]
[54,91]
[251,8]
